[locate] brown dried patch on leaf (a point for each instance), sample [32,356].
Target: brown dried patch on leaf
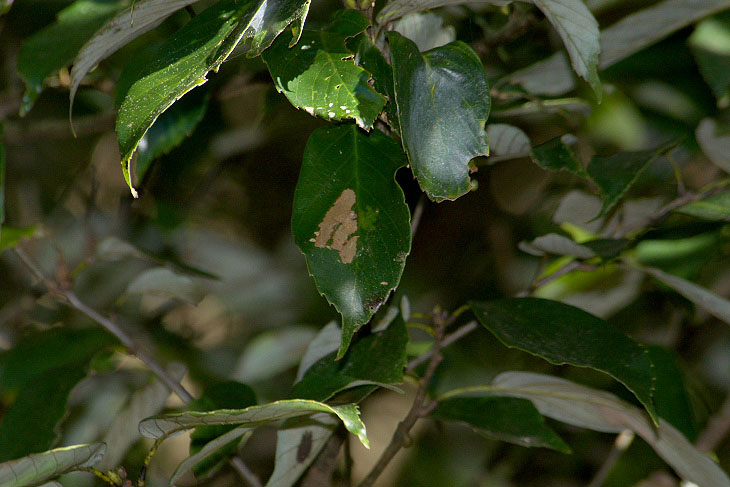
[337,228]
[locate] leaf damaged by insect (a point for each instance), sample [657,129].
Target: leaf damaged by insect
[338,226]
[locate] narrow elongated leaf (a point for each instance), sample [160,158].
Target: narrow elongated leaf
[377,359]
[351,221]
[710,44]
[507,140]
[579,31]
[556,244]
[556,155]
[159,427]
[320,74]
[716,146]
[718,306]
[615,174]
[212,449]
[161,281]
[185,59]
[507,419]
[398,8]
[645,27]
[714,208]
[443,103]
[563,334]
[600,411]
[55,46]
[36,469]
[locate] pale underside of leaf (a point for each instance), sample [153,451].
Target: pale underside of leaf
[398,8]
[507,141]
[210,448]
[38,468]
[715,146]
[556,244]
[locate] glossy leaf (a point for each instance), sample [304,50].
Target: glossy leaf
[556,155]
[507,140]
[159,427]
[714,144]
[563,334]
[40,467]
[377,359]
[443,103]
[351,221]
[184,60]
[714,208]
[614,175]
[506,419]
[320,76]
[600,411]
[55,46]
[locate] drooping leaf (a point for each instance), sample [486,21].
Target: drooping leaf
[563,334]
[425,29]
[443,103]
[556,155]
[351,221]
[327,341]
[55,46]
[507,419]
[716,146]
[614,175]
[507,140]
[159,427]
[714,208]
[201,46]
[710,44]
[40,467]
[161,281]
[645,27]
[600,411]
[320,76]
[377,359]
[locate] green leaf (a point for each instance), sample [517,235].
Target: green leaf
[160,427]
[608,248]
[55,46]
[327,341]
[579,31]
[141,17]
[32,423]
[600,411]
[714,208]
[507,141]
[443,103]
[351,221]
[563,334]
[556,244]
[5,6]
[614,175]
[187,57]
[556,155]
[714,144]
[320,75]
[425,29]
[211,454]
[171,129]
[12,236]
[38,468]
[710,44]
[377,359]
[506,419]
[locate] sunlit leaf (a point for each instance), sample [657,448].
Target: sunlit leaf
[38,468]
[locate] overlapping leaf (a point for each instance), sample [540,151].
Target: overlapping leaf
[40,467]
[507,140]
[443,103]
[351,221]
[320,76]
[563,334]
[710,44]
[714,143]
[185,59]
[556,155]
[714,208]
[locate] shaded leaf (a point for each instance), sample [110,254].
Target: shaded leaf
[271,353]
[38,468]
[507,419]
[159,427]
[608,248]
[443,103]
[714,208]
[556,155]
[201,46]
[327,341]
[716,146]
[351,221]
[556,244]
[12,236]
[710,44]
[376,359]
[2,184]
[320,76]
[563,334]
[55,46]
[615,174]
[425,29]
[550,77]
[398,8]
[161,281]
[507,140]
[211,454]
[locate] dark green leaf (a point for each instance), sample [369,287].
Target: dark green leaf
[443,104]
[507,419]
[187,57]
[31,424]
[351,221]
[563,334]
[320,75]
[377,359]
[615,174]
[556,155]
[2,184]
[55,46]
[608,248]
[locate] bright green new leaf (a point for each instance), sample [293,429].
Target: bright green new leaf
[714,208]
[320,76]
[506,419]
[160,427]
[55,46]
[563,334]
[614,175]
[351,221]
[443,103]
[556,155]
[40,467]
[186,58]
